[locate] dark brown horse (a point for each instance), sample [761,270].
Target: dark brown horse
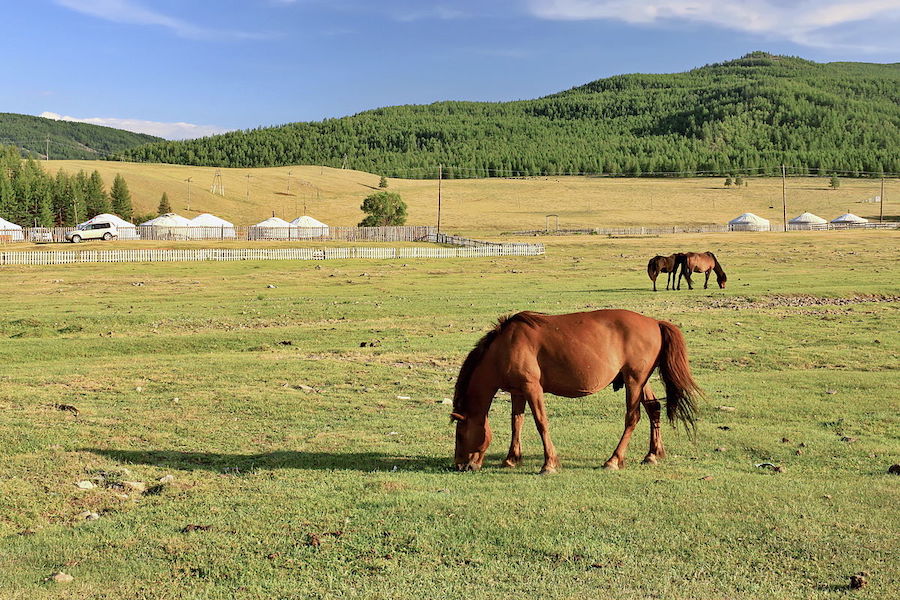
[570,355]
[664,264]
[701,262]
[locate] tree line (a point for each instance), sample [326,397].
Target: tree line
[749,115]
[31,196]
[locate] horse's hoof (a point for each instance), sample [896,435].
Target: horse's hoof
[650,459]
[611,465]
[510,464]
[549,471]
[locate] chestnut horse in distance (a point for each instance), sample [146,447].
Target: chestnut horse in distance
[572,355]
[664,264]
[701,262]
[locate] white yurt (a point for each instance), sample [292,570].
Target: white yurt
[849,219]
[807,221]
[126,230]
[167,227]
[211,227]
[10,232]
[273,228]
[749,222]
[308,227]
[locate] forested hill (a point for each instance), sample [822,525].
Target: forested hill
[744,116]
[68,140]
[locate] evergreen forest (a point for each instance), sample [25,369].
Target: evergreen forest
[66,140]
[746,116]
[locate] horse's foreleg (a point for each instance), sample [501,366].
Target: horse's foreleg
[706,283]
[514,457]
[670,277]
[535,397]
[633,397]
[652,406]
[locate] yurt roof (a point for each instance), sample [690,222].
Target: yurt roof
[108,218]
[4,224]
[168,220]
[208,220]
[807,217]
[307,221]
[748,217]
[273,222]
[849,218]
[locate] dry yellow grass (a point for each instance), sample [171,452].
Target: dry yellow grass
[484,205]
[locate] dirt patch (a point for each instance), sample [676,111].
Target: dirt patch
[798,300]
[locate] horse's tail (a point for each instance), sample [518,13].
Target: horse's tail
[652,268]
[721,277]
[681,389]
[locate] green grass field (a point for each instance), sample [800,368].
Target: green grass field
[305,425]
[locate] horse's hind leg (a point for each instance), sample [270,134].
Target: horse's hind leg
[514,457]
[706,283]
[652,406]
[534,394]
[633,397]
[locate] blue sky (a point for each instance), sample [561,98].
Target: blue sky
[184,68]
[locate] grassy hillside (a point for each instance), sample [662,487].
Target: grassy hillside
[297,464]
[68,140]
[490,205]
[749,115]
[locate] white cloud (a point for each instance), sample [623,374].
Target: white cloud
[170,131]
[131,12]
[806,22]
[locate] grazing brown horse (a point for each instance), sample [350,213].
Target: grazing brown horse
[701,262]
[664,264]
[570,355]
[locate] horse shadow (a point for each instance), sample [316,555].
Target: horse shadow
[245,463]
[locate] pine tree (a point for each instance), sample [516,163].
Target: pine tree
[383,182]
[95,199]
[121,198]
[835,183]
[728,181]
[7,196]
[164,206]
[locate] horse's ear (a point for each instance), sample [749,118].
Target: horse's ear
[457,417]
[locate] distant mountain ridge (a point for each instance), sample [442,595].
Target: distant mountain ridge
[67,139]
[745,116]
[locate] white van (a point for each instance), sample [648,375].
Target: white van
[93,231]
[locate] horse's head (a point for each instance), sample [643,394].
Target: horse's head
[721,278]
[473,436]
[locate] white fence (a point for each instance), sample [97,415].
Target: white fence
[413,233]
[238,254]
[636,230]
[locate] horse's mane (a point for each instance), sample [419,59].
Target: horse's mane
[532,319]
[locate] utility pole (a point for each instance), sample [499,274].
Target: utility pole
[217,186]
[289,181]
[248,186]
[440,176]
[48,147]
[784,196]
[881,203]
[188,180]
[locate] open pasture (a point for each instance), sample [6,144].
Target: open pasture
[305,429]
[487,206]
